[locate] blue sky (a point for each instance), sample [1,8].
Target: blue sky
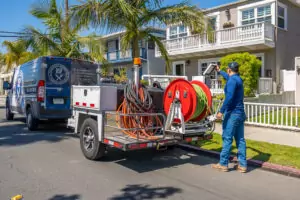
[14,14]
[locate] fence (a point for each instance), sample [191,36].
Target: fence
[280,116]
[273,115]
[265,85]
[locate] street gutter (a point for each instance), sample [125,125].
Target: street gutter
[280,169]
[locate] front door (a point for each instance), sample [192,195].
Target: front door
[178,69]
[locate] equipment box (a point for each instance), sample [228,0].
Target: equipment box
[101,98]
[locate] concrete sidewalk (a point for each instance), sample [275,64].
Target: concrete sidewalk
[270,135]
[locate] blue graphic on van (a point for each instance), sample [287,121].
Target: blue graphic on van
[19,89]
[58,74]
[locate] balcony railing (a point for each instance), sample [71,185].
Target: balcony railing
[221,39]
[119,56]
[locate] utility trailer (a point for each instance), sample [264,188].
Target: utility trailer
[94,117]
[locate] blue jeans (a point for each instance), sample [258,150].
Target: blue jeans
[233,126]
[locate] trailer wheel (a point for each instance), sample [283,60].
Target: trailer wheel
[90,145]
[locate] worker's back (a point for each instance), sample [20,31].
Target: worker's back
[237,104]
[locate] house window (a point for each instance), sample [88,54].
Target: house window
[213,23]
[178,31]
[282,16]
[264,14]
[248,17]
[112,45]
[257,15]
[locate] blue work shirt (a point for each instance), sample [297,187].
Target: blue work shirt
[234,94]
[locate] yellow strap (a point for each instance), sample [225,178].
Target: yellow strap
[18,197]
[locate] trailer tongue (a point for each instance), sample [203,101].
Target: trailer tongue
[139,121]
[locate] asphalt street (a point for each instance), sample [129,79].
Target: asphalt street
[48,165]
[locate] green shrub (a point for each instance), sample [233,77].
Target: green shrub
[122,78]
[219,97]
[249,70]
[144,82]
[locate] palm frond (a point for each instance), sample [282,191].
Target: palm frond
[162,50]
[41,41]
[95,46]
[190,16]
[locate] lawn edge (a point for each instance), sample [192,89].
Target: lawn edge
[280,169]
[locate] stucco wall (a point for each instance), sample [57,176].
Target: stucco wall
[157,65]
[288,41]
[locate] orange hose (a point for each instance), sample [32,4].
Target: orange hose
[141,122]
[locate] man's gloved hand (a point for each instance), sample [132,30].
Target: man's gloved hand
[219,116]
[217,68]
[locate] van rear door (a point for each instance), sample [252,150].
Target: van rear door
[58,79]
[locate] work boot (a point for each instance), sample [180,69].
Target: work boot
[242,169]
[220,167]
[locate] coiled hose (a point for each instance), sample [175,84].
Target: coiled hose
[135,104]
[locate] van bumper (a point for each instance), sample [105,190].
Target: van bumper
[42,113]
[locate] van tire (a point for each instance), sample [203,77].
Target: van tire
[31,121]
[8,114]
[90,145]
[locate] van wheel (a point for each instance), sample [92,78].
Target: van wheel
[31,121]
[90,145]
[8,114]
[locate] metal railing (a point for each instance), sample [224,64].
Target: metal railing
[273,115]
[164,80]
[236,35]
[127,55]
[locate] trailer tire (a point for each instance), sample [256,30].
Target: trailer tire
[90,145]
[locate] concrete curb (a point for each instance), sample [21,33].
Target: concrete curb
[284,170]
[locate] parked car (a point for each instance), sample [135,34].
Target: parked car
[41,89]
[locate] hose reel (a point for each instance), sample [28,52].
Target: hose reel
[194,96]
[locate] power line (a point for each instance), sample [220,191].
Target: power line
[17,33]
[14,36]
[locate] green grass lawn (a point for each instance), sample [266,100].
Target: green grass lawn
[263,151]
[282,118]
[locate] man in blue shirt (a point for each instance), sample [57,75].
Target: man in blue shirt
[234,118]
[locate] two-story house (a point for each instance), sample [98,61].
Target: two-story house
[123,60]
[268,29]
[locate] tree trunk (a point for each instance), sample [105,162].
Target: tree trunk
[67,9]
[135,49]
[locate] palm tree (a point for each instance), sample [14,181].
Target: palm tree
[60,39]
[135,17]
[17,54]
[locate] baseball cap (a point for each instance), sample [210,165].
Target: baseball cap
[234,66]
